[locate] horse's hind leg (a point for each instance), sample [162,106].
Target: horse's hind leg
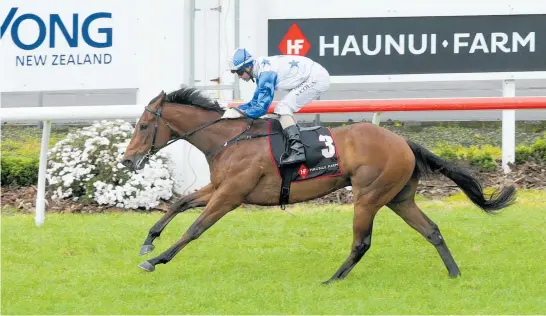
[412,214]
[196,199]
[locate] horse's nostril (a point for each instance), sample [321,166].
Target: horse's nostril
[127,163]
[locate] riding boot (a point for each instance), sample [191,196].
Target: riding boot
[295,150]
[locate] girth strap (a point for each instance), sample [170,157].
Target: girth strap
[286,176]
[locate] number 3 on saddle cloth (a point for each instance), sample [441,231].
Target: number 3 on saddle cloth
[320,151]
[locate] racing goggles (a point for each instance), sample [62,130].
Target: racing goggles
[239,72]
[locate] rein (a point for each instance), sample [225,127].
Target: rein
[185,136]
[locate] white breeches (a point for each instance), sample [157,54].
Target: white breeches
[307,91]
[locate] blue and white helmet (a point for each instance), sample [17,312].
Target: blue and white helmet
[240,58]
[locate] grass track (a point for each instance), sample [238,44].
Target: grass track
[269,262]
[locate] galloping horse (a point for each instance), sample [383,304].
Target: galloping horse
[382,167]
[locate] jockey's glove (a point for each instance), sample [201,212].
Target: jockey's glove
[232,113]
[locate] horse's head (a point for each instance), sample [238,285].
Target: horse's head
[156,127]
[151,134]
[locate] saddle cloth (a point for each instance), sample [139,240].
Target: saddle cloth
[320,150]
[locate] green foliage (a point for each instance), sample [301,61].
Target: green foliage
[523,154]
[21,155]
[445,151]
[20,161]
[538,149]
[486,157]
[19,171]
[534,152]
[476,134]
[483,157]
[484,161]
[21,148]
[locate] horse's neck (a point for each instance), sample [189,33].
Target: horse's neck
[187,119]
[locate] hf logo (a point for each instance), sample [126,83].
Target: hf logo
[294,42]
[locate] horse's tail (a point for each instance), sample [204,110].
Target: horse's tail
[427,163]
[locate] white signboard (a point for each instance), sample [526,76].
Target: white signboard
[61,45]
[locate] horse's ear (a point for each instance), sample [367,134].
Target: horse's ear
[160,98]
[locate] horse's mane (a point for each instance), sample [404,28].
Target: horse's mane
[192,96]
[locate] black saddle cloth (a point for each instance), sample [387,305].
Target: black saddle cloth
[321,152]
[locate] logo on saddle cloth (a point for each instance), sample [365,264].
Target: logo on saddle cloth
[320,151]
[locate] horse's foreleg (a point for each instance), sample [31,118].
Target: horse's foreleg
[223,200]
[196,199]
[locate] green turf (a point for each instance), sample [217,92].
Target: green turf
[270,262]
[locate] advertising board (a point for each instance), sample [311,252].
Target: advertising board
[415,45]
[67,45]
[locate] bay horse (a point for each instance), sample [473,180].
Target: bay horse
[382,167]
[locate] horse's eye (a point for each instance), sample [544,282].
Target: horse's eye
[143,127]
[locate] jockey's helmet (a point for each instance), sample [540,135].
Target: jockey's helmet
[240,59]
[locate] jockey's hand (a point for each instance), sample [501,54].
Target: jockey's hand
[232,113]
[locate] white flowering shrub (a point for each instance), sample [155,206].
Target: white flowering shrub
[86,165]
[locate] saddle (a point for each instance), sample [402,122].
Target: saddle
[321,156]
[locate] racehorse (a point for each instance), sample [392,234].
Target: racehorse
[382,167]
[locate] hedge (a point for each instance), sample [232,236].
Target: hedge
[20,160]
[19,171]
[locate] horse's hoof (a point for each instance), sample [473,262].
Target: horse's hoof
[146,249]
[147,266]
[328,282]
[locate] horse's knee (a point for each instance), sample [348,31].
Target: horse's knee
[194,232]
[186,204]
[435,237]
[191,236]
[179,205]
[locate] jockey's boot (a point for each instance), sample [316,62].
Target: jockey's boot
[295,150]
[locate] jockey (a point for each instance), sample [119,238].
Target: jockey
[305,80]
